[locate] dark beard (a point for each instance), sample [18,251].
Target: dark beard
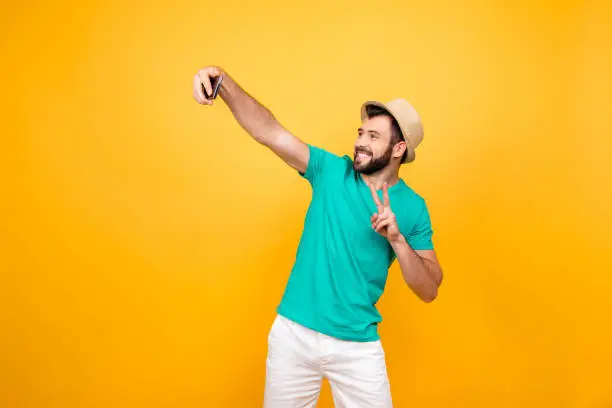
[375,164]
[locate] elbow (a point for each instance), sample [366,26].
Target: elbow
[266,135]
[261,130]
[430,296]
[261,139]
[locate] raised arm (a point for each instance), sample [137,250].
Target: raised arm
[254,118]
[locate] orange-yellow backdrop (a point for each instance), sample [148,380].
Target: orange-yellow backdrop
[146,240]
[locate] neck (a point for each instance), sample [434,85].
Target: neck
[387,175]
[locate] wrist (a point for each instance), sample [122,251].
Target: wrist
[225,83]
[398,241]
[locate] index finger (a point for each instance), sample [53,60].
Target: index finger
[375,196]
[386,194]
[205,83]
[198,91]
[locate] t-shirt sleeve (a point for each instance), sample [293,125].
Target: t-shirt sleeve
[420,237]
[320,163]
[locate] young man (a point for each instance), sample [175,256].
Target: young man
[362,217]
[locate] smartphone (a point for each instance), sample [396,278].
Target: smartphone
[216,84]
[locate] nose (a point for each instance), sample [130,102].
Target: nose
[361,144]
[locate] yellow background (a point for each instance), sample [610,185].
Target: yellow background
[146,239]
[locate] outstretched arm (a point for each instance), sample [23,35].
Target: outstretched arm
[254,118]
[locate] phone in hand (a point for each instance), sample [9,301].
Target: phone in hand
[215,84]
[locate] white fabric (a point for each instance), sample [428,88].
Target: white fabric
[299,358]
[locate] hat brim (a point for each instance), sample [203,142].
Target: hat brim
[410,155]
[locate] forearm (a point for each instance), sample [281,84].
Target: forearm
[420,274]
[254,118]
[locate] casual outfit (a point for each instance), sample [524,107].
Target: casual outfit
[327,319]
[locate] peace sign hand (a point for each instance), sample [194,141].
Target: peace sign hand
[384,221]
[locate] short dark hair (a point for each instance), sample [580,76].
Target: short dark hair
[396,132]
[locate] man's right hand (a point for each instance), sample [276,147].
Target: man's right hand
[202,79]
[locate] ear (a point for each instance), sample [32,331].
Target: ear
[399,149]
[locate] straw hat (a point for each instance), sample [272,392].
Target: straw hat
[408,120]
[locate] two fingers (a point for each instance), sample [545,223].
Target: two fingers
[382,218]
[385,202]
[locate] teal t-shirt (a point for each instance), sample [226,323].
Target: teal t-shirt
[341,265]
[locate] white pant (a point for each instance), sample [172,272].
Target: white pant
[299,358]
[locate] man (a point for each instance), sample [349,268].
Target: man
[362,217]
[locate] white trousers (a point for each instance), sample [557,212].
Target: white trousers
[299,358]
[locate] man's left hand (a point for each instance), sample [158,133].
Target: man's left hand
[384,221]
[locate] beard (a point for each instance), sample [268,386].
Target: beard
[373,165]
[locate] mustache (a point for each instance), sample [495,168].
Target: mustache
[362,150]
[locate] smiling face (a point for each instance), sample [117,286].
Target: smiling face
[378,143]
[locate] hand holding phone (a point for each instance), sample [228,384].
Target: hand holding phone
[207,85]
[215,83]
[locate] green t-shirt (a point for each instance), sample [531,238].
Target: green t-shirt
[341,264]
